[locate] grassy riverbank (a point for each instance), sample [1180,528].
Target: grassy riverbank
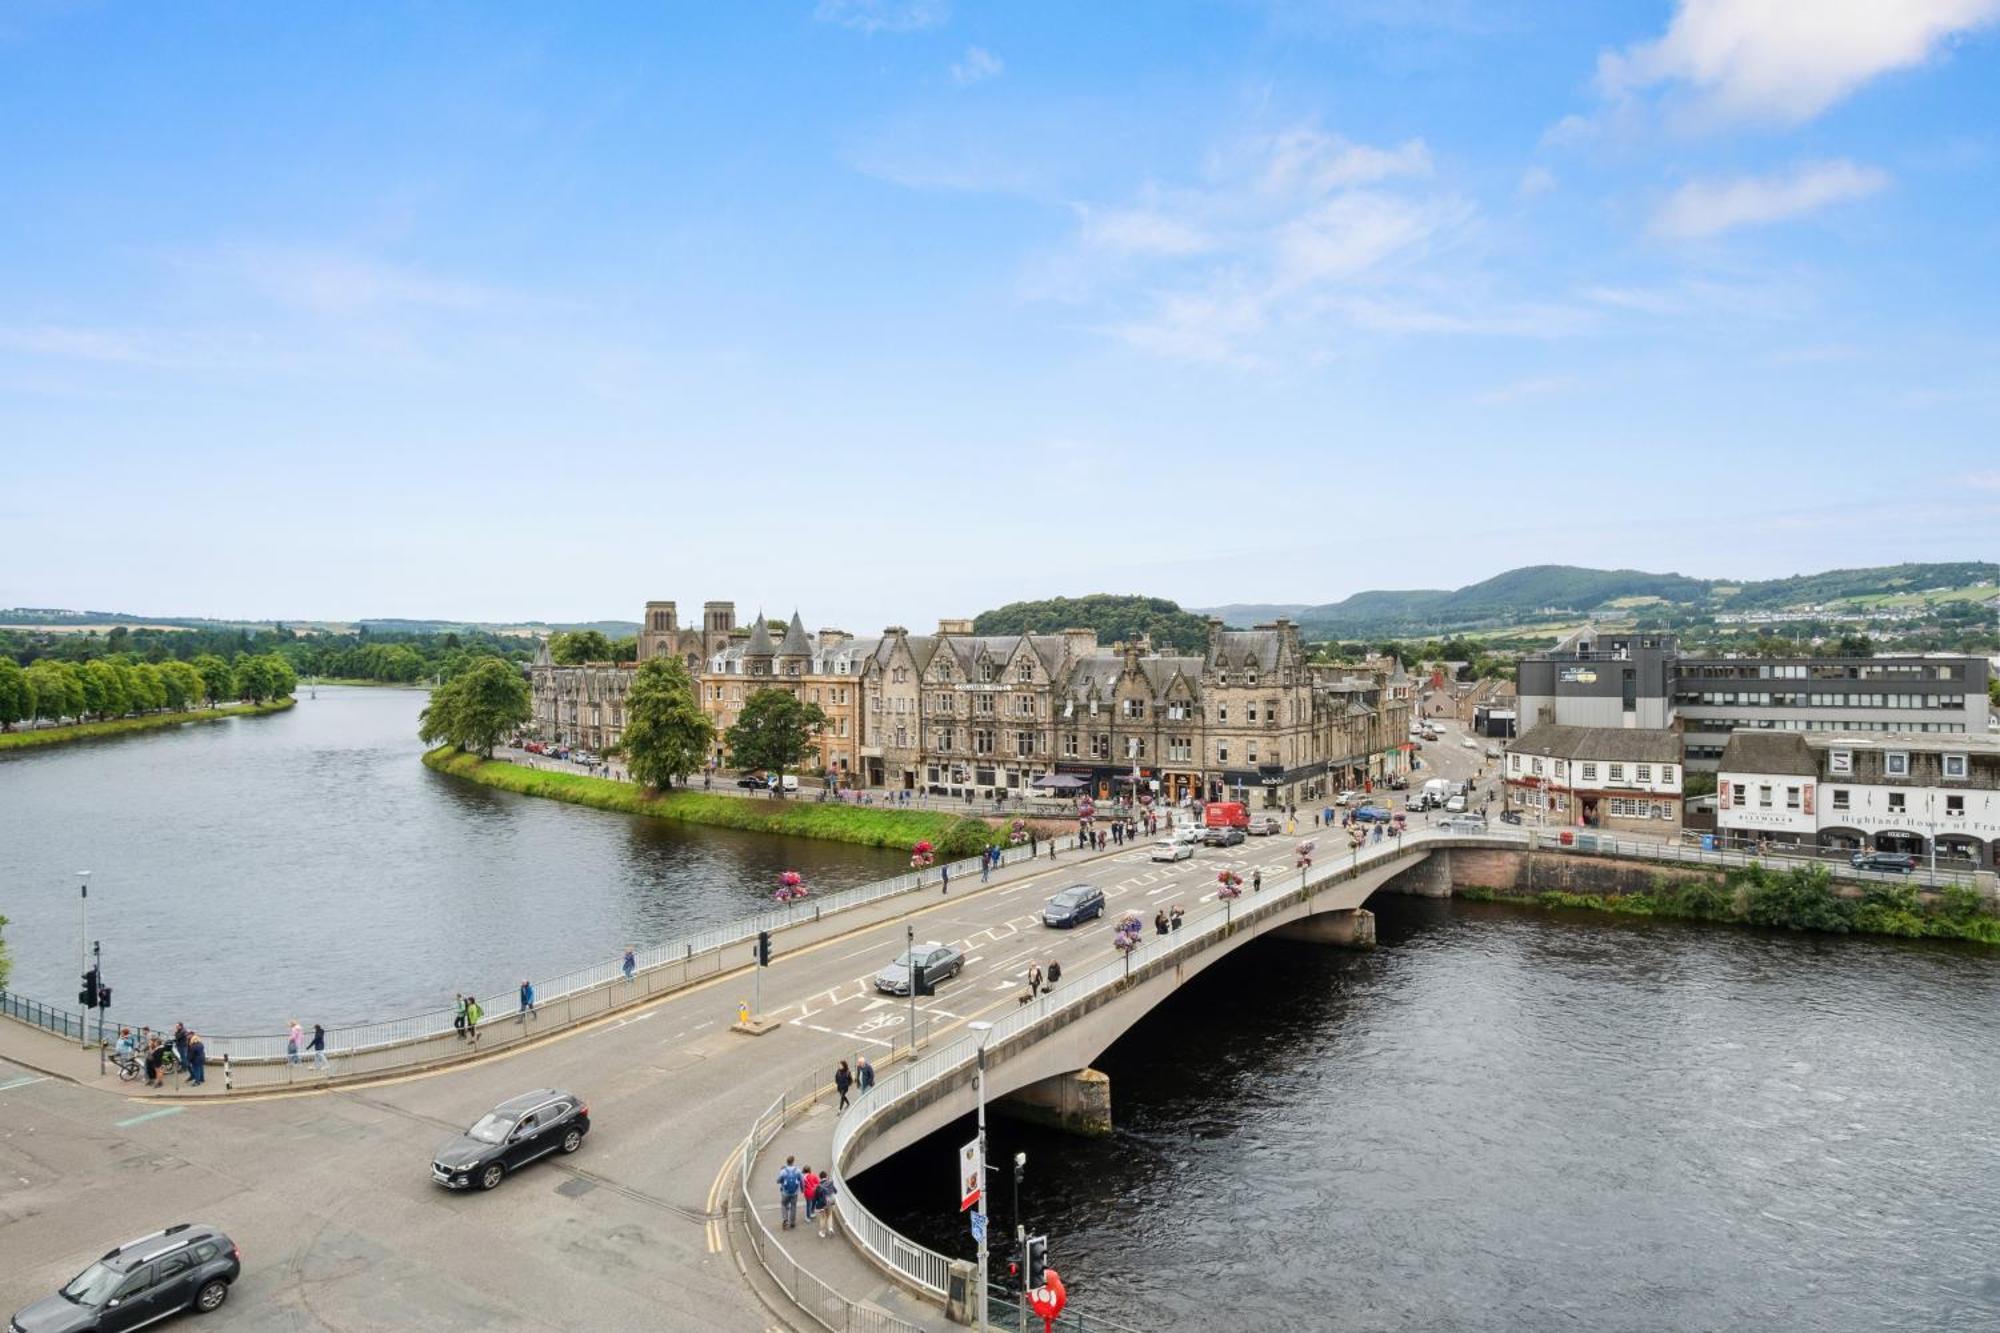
[954,835]
[1796,898]
[119,726]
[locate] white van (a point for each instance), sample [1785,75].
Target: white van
[791,782]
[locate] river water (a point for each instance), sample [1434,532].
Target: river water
[306,864]
[1506,1119]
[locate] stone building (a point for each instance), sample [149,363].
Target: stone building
[579,705]
[1614,778]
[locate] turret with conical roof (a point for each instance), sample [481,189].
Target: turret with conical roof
[757,653]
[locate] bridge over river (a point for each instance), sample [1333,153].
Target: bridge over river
[662,1220]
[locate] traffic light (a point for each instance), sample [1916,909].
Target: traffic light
[1038,1259]
[920,981]
[763,948]
[87,995]
[103,996]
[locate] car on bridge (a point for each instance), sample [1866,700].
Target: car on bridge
[1463,824]
[1263,826]
[939,961]
[185,1267]
[1073,906]
[1223,837]
[508,1137]
[1900,863]
[1172,849]
[1372,814]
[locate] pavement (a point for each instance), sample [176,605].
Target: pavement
[327,1191]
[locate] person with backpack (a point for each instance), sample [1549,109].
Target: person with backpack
[458,1014]
[842,1081]
[823,1205]
[790,1182]
[473,1013]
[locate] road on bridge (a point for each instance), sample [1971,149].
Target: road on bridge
[329,1195]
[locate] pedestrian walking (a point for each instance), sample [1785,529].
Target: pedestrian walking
[809,1186]
[527,1001]
[986,864]
[823,1202]
[1174,917]
[1054,975]
[842,1081]
[1256,880]
[458,1014]
[1052,849]
[790,1182]
[181,1043]
[1034,980]
[1034,845]
[294,1038]
[864,1074]
[473,1013]
[631,963]
[318,1047]
[944,874]
[1160,922]
[197,1059]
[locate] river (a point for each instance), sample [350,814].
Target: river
[1507,1119]
[305,864]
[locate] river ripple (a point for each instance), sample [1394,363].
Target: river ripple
[1504,1119]
[306,864]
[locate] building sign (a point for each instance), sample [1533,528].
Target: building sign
[968,1175]
[1579,675]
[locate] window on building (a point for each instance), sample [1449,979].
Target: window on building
[982,741]
[1590,772]
[1736,790]
[1897,803]
[1250,751]
[1666,773]
[1764,796]
[1791,798]
[1222,712]
[1954,765]
[1617,772]
[902,738]
[1642,772]
[1180,747]
[1954,806]
[989,672]
[1250,712]
[1840,798]
[1222,752]
[1896,763]
[1840,761]
[1024,742]
[1538,765]
[1025,673]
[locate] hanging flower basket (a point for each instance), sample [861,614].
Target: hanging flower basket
[1019,832]
[922,855]
[1232,885]
[791,885]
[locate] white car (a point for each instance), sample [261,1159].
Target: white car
[1492,752]
[1189,834]
[1468,742]
[1347,798]
[1455,806]
[1172,849]
[1463,824]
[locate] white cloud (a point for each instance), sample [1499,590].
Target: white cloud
[1710,207]
[1140,231]
[1527,390]
[1534,181]
[883,15]
[978,65]
[1351,233]
[1785,60]
[1305,160]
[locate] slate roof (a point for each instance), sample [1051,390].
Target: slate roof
[796,643]
[1632,744]
[1767,752]
[760,639]
[1261,646]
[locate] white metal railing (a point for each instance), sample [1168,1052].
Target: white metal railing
[926,1268]
[391,1043]
[1588,840]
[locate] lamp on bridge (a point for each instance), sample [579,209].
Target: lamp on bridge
[984,1029]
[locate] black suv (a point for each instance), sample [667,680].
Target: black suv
[1073,906]
[510,1136]
[185,1267]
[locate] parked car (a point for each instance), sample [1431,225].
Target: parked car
[1263,826]
[1348,797]
[1399,784]
[1455,806]
[185,1267]
[510,1136]
[1510,816]
[755,781]
[1172,849]
[940,962]
[1492,752]
[1898,862]
[1468,742]
[1463,824]
[1073,906]
[1222,837]
[1420,801]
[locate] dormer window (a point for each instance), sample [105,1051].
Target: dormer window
[1896,763]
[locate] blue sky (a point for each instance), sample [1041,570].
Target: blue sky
[893,309]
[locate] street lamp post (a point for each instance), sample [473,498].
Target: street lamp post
[984,1029]
[910,967]
[1021,1246]
[82,942]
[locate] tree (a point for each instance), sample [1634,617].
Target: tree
[254,680]
[775,731]
[183,684]
[17,696]
[666,734]
[477,709]
[103,691]
[218,680]
[58,690]
[584,645]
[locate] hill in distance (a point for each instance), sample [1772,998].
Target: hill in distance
[42,617]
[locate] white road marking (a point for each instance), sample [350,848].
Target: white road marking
[975,958]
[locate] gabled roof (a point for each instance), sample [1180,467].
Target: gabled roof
[1259,647]
[796,643]
[1627,744]
[1160,672]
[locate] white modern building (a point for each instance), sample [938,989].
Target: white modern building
[1853,791]
[1622,778]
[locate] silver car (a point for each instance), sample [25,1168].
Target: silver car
[939,961]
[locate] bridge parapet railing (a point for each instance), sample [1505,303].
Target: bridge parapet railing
[927,1270]
[427,1037]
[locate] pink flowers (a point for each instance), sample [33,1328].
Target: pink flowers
[922,855]
[791,885]
[1232,885]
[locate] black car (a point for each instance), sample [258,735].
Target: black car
[1510,816]
[753,781]
[510,1136]
[1073,906]
[185,1267]
[1899,862]
[1223,837]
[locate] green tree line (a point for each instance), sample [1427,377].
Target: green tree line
[48,690]
[387,657]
